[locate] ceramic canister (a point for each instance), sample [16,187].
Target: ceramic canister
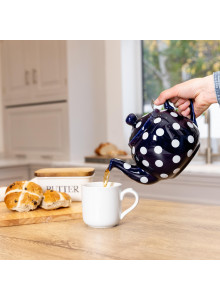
[69,180]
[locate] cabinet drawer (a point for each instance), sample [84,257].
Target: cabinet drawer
[37,131]
[11,174]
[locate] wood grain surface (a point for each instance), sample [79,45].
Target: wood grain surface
[14,218]
[65,172]
[153,230]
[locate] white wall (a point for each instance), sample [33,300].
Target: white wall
[1,106]
[104,86]
[114,104]
[86,90]
[123,88]
[131,73]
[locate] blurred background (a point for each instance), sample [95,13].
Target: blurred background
[60,99]
[166,63]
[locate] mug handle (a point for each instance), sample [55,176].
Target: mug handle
[193,117]
[129,190]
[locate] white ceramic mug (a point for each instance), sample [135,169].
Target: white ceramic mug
[101,206]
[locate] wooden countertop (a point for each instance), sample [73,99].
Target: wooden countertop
[153,230]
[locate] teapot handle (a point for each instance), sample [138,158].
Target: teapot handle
[193,117]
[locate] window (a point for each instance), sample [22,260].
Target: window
[166,63]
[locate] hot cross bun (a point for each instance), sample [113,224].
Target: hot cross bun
[23,196]
[53,199]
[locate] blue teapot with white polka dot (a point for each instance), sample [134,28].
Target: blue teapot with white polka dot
[162,144]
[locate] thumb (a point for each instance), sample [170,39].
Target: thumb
[165,95]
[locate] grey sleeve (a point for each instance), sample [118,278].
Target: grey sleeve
[217,85]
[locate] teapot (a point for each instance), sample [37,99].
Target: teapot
[162,144]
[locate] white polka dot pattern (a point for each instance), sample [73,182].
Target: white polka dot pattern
[158,149]
[164,175]
[145,163]
[144,180]
[138,124]
[189,153]
[174,114]
[176,159]
[159,163]
[145,135]
[176,170]
[166,156]
[190,124]
[127,166]
[190,139]
[176,126]
[159,132]
[175,143]
[157,120]
[143,150]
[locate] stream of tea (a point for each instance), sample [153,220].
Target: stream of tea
[106,177]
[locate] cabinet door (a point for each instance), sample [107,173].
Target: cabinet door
[38,131]
[16,74]
[49,75]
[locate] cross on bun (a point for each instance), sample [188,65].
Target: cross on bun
[53,199]
[23,196]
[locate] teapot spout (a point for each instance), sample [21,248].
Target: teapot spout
[132,171]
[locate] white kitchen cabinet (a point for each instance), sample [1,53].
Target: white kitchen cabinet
[39,131]
[34,75]
[33,72]
[16,73]
[49,71]
[49,65]
[8,175]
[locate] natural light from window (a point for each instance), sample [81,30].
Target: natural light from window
[166,63]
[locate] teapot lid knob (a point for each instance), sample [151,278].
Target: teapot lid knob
[131,119]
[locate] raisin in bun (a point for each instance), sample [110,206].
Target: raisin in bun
[23,196]
[53,199]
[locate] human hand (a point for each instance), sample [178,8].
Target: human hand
[200,90]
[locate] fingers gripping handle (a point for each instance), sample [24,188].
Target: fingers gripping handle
[129,190]
[193,117]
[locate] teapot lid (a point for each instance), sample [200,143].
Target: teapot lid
[140,125]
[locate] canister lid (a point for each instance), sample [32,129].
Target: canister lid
[65,172]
